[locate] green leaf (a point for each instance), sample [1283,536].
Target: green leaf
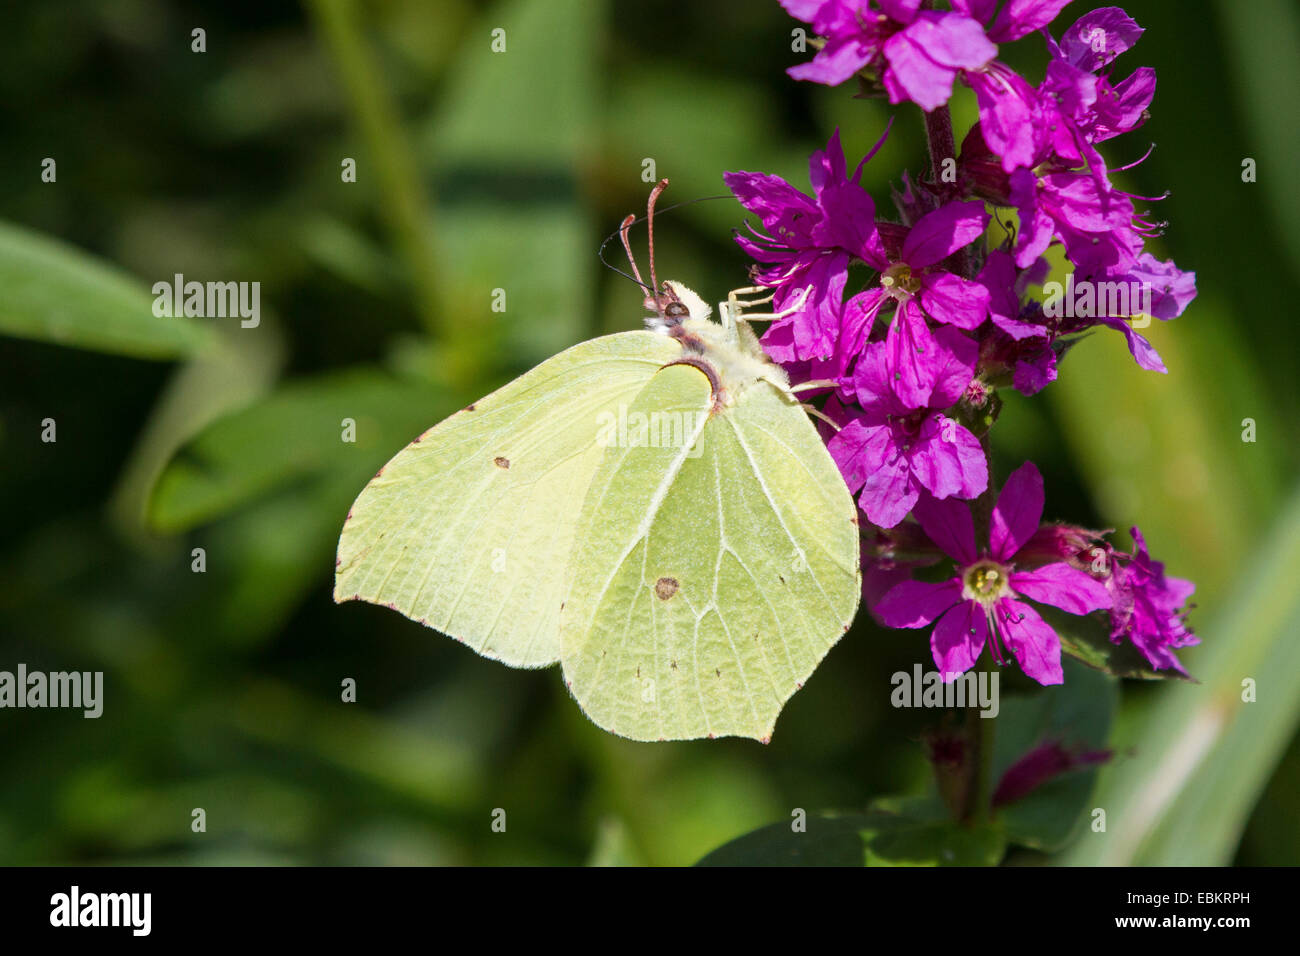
[829,840]
[510,181]
[1259,45]
[295,434]
[53,292]
[1078,714]
[217,382]
[1088,640]
[893,832]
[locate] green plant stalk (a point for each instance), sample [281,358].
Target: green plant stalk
[406,208]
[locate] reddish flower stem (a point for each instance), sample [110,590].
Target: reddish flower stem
[939,138]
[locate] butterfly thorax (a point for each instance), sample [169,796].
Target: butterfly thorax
[729,354]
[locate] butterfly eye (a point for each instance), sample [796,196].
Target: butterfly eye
[675,310]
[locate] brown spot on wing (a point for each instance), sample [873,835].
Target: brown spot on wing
[666,588]
[501,462]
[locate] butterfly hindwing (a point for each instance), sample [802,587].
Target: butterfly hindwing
[708,582]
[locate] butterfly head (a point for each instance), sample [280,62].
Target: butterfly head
[674,305]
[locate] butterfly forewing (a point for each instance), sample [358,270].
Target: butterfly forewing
[470,528]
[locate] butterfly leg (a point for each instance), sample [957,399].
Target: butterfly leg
[817,413]
[737,306]
[814,383]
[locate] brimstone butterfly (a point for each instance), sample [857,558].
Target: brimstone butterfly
[653,510]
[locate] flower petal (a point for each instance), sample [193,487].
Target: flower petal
[911,357]
[856,449]
[956,356]
[940,233]
[904,11]
[834,63]
[849,219]
[956,301]
[1022,17]
[1062,586]
[1016,515]
[873,382]
[958,639]
[778,204]
[1031,639]
[948,524]
[912,74]
[890,490]
[1009,110]
[1099,36]
[1035,374]
[1035,222]
[917,603]
[1143,352]
[949,39]
[948,460]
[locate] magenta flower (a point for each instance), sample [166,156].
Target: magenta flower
[1005,287]
[889,557]
[982,603]
[1010,109]
[1010,113]
[1035,370]
[1087,108]
[1045,762]
[1096,223]
[1170,290]
[805,257]
[914,278]
[893,449]
[916,53]
[1147,607]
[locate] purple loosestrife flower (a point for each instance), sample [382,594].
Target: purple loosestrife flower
[1020,344]
[1086,107]
[1010,113]
[1170,290]
[1010,109]
[805,257]
[888,558]
[982,603]
[912,276]
[1005,287]
[1147,607]
[916,53]
[1096,223]
[892,449]
[1038,766]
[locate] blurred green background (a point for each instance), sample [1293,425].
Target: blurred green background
[479,171]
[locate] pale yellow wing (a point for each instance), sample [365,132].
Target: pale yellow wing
[470,528]
[709,582]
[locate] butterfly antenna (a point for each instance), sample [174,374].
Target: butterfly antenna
[632,221]
[623,228]
[650,233]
